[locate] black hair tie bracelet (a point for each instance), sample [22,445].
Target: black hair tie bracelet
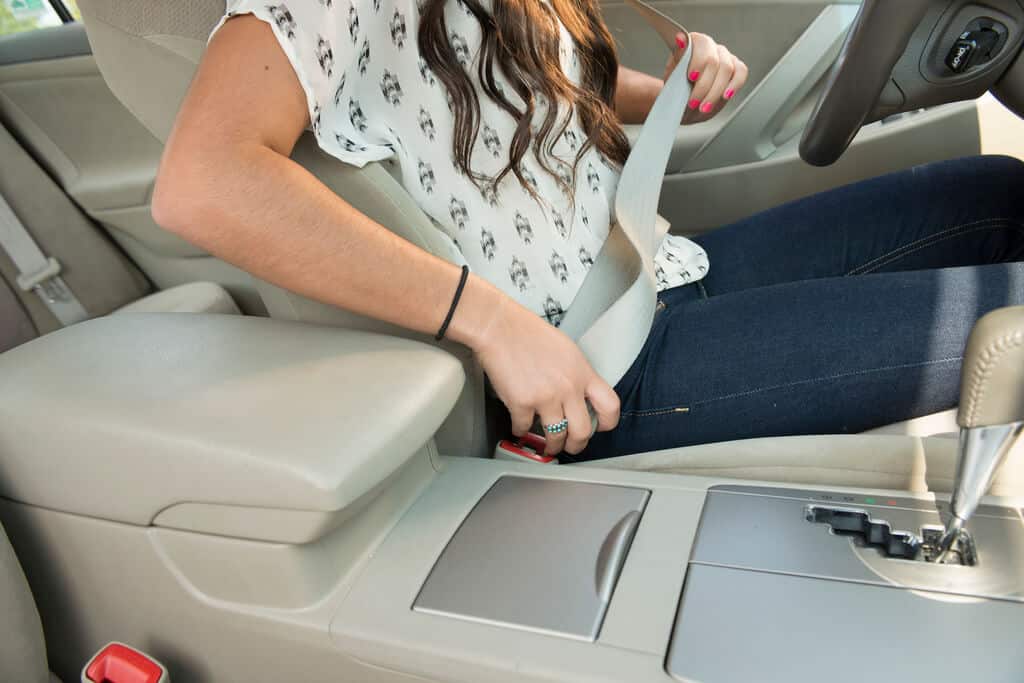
[455,302]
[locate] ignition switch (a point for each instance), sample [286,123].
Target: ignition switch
[978,44]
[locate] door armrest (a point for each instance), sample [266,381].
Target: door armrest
[175,419]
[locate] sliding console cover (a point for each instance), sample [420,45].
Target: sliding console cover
[537,554]
[813,586]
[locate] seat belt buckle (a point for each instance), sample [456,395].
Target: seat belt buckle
[46,282]
[527,448]
[120,663]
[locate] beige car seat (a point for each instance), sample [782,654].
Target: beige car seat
[101,278]
[148,50]
[22,649]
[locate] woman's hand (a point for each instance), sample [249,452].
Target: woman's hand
[717,75]
[537,370]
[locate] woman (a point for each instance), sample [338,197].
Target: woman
[504,120]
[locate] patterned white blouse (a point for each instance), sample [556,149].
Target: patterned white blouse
[371,97]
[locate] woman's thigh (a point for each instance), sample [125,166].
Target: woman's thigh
[832,355]
[961,212]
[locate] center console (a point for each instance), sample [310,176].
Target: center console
[572,574]
[259,500]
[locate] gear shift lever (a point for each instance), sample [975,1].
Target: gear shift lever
[991,415]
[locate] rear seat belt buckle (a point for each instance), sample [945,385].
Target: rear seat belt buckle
[527,448]
[120,663]
[46,282]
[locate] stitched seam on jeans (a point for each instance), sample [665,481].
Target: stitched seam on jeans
[679,409]
[919,244]
[956,229]
[1007,224]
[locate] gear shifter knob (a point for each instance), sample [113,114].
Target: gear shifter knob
[991,415]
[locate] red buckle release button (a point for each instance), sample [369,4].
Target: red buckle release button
[529,448]
[118,663]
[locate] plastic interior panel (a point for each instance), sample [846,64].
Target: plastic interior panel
[737,625]
[537,554]
[794,592]
[776,537]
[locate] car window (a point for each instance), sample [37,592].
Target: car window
[18,16]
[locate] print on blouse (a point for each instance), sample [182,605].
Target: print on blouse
[426,177]
[461,49]
[372,97]
[487,244]
[356,116]
[586,260]
[491,141]
[520,276]
[325,56]
[339,90]
[353,24]
[364,58]
[524,228]
[558,267]
[457,210]
[283,19]
[398,29]
[559,223]
[489,193]
[391,88]
[553,311]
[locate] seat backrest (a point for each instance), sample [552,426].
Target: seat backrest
[22,649]
[148,50]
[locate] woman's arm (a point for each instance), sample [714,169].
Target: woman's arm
[226,184]
[717,75]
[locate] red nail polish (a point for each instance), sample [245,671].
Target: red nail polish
[729,93]
[694,75]
[681,41]
[694,104]
[707,107]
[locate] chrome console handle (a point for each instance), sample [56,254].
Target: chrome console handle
[991,414]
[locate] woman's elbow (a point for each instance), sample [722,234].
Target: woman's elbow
[179,196]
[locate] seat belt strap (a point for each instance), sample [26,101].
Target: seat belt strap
[612,313]
[37,272]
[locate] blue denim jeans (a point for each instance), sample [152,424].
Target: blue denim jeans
[832,314]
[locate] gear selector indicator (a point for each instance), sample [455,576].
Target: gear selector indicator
[879,534]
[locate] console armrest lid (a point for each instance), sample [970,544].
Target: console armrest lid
[124,416]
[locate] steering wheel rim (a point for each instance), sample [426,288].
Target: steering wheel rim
[877,40]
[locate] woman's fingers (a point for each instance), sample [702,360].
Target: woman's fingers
[579,424]
[605,403]
[703,68]
[715,96]
[676,55]
[551,415]
[739,79]
[716,74]
[522,419]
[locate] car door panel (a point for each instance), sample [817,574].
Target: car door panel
[745,159]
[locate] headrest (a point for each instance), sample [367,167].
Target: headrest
[148,50]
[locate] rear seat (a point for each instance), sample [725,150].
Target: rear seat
[101,277]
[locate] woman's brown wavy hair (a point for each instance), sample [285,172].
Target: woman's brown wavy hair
[522,38]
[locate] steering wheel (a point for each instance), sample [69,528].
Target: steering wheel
[878,41]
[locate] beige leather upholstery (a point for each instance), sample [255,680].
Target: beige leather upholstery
[148,51]
[872,461]
[22,649]
[927,425]
[195,297]
[159,411]
[102,278]
[992,389]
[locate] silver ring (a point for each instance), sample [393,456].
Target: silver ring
[558,427]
